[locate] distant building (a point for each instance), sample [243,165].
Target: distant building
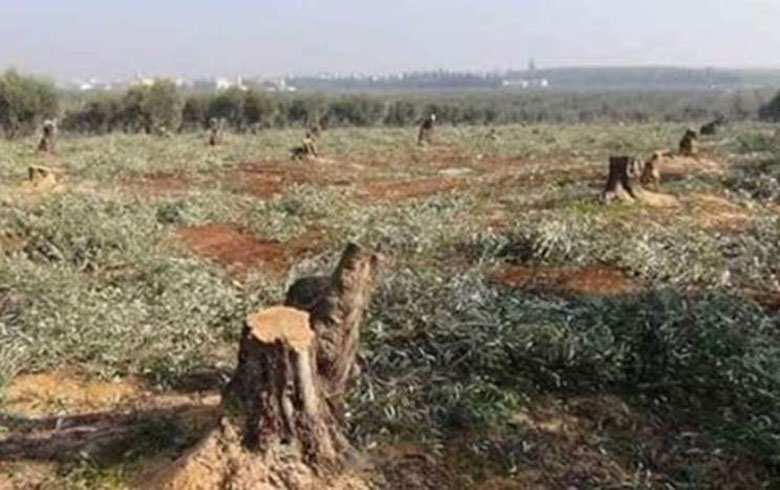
[526,83]
[93,85]
[279,85]
[222,83]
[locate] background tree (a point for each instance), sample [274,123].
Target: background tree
[228,105]
[193,113]
[259,109]
[24,102]
[771,110]
[162,105]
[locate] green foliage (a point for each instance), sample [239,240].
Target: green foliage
[448,353]
[759,180]
[193,113]
[24,103]
[355,111]
[101,290]
[99,115]
[771,110]
[163,105]
[243,109]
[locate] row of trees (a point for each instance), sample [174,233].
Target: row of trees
[162,105]
[26,101]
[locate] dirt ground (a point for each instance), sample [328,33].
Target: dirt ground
[594,280]
[239,252]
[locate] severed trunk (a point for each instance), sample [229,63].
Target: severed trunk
[622,183]
[277,392]
[629,179]
[651,173]
[282,418]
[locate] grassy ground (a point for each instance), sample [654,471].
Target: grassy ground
[523,335]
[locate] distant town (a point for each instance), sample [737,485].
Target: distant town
[531,78]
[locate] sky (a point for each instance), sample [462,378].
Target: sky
[77,39]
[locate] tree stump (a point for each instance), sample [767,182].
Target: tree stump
[275,429]
[216,131]
[282,421]
[622,183]
[688,144]
[46,145]
[425,134]
[40,177]
[651,172]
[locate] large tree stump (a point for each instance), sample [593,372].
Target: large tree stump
[626,176]
[276,430]
[622,182]
[282,419]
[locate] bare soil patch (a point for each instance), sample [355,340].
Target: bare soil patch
[599,280]
[10,243]
[161,184]
[680,166]
[410,189]
[238,251]
[266,179]
[234,248]
[61,414]
[718,213]
[37,394]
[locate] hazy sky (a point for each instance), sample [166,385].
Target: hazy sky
[108,38]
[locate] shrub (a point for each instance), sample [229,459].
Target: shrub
[771,110]
[24,102]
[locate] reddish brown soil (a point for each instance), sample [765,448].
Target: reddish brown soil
[238,251]
[585,280]
[767,299]
[11,243]
[410,189]
[268,178]
[161,184]
[233,248]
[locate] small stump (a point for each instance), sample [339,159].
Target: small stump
[40,177]
[46,145]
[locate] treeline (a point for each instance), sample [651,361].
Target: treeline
[572,78]
[147,108]
[26,101]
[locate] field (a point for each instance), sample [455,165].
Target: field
[523,335]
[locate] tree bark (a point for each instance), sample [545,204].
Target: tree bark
[626,178]
[282,421]
[622,182]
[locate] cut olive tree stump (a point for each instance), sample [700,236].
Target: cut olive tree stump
[41,178]
[46,144]
[282,423]
[624,182]
[276,430]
